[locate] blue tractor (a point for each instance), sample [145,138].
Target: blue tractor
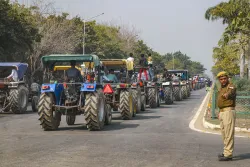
[72,97]
[14,90]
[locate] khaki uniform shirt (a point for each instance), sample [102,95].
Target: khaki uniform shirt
[223,102]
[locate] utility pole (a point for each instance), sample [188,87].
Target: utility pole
[173,61]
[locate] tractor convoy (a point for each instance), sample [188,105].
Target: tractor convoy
[98,89]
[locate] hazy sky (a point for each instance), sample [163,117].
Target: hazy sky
[165,25]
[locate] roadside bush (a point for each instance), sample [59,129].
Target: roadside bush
[242,84]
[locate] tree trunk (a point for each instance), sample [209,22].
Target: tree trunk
[242,64]
[248,56]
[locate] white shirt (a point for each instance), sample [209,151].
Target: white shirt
[130,59]
[13,75]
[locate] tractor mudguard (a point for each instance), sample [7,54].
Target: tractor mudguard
[88,87]
[166,84]
[151,84]
[53,88]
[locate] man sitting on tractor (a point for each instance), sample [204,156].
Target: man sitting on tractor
[73,72]
[13,76]
[111,76]
[166,75]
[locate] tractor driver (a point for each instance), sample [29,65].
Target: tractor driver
[73,73]
[111,76]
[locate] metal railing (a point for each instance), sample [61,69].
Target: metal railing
[242,107]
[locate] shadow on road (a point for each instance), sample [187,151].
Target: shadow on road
[10,113]
[192,98]
[242,157]
[73,128]
[119,126]
[147,112]
[112,127]
[139,117]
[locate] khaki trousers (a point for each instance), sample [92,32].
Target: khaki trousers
[227,124]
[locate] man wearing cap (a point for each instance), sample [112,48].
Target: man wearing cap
[226,103]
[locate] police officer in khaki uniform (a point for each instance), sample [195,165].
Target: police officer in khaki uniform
[226,103]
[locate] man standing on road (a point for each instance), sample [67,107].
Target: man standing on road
[226,103]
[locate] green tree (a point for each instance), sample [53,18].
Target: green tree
[236,14]
[18,31]
[227,58]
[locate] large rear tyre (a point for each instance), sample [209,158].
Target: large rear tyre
[126,106]
[158,99]
[177,93]
[137,99]
[152,97]
[70,119]
[34,103]
[18,99]
[143,102]
[188,91]
[184,92]
[95,110]
[50,120]
[168,95]
[108,116]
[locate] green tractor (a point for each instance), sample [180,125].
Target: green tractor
[181,84]
[121,95]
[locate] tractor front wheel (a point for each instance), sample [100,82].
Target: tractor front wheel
[70,119]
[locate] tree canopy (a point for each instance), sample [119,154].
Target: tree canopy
[26,34]
[235,41]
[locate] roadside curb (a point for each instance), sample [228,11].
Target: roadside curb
[209,125]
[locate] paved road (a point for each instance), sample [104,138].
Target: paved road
[156,138]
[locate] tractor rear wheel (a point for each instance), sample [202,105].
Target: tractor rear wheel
[126,105]
[158,99]
[50,120]
[188,91]
[34,103]
[70,119]
[152,97]
[177,93]
[168,95]
[137,99]
[108,116]
[143,102]
[95,110]
[184,92]
[18,99]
